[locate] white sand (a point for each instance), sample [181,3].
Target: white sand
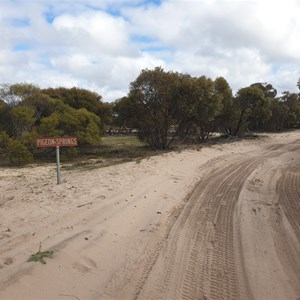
[100,223]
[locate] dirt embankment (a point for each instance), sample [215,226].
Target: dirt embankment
[220,223]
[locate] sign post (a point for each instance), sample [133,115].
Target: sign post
[57,165]
[66,141]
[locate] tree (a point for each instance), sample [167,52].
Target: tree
[75,97]
[292,102]
[123,113]
[16,115]
[253,107]
[279,115]
[42,104]
[186,97]
[12,94]
[268,90]
[50,126]
[4,116]
[70,121]
[227,119]
[156,98]
[81,98]
[150,95]
[104,112]
[208,106]
[4,138]
[81,123]
[17,153]
[22,118]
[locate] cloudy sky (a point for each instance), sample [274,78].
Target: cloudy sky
[102,45]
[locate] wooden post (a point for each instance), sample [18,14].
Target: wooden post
[57,165]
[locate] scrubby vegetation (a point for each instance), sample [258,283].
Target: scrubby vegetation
[161,109]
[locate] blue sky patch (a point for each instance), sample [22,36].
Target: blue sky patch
[114,11]
[156,2]
[275,69]
[142,38]
[49,16]
[20,22]
[156,49]
[21,47]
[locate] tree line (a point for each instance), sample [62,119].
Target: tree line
[171,106]
[27,112]
[164,107]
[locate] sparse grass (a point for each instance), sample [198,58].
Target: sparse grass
[119,141]
[112,150]
[120,149]
[40,255]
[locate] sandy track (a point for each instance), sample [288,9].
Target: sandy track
[289,192]
[203,256]
[220,223]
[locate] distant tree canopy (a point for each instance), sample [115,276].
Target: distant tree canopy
[163,106]
[12,94]
[170,106]
[26,111]
[80,98]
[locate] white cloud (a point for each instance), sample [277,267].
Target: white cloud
[214,36]
[103,45]
[95,31]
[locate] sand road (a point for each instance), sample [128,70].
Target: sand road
[219,223]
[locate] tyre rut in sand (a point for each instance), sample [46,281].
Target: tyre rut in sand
[201,257]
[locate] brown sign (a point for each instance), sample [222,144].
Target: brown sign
[66,141]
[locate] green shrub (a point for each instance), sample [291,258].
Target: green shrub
[17,153]
[4,138]
[67,153]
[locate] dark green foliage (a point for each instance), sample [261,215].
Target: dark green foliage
[268,90]
[17,153]
[42,105]
[13,94]
[75,97]
[208,106]
[27,112]
[168,106]
[162,107]
[67,153]
[279,116]
[253,109]
[228,116]
[72,122]
[4,138]
[22,119]
[123,113]
[292,102]
[81,98]
[153,97]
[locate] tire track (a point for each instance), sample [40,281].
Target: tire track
[288,188]
[201,257]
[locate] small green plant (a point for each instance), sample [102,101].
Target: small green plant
[39,256]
